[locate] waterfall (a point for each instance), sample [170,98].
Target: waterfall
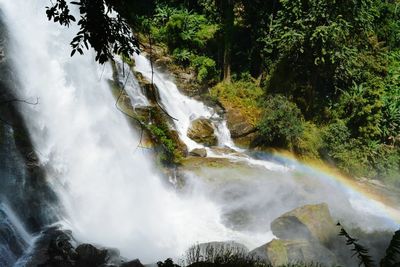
[182,108]
[109,190]
[14,239]
[131,85]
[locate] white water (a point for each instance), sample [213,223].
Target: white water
[185,110]
[131,86]
[109,190]
[181,107]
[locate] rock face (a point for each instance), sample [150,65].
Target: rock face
[306,234]
[282,252]
[202,131]
[308,222]
[54,249]
[198,152]
[150,90]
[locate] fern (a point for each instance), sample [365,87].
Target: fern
[392,252]
[359,251]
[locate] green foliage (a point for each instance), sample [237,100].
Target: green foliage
[338,62]
[180,28]
[387,24]
[362,106]
[205,68]
[170,153]
[99,28]
[242,95]
[281,123]
[310,142]
[391,100]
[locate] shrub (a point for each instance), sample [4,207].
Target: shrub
[205,68]
[244,96]
[310,142]
[281,124]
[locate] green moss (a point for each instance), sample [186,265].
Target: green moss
[277,253]
[244,96]
[310,142]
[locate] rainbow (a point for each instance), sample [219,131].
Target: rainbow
[353,186]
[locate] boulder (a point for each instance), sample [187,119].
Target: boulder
[308,222]
[89,255]
[198,152]
[202,131]
[238,124]
[282,252]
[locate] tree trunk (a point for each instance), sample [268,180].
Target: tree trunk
[228,20]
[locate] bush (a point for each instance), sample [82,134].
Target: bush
[360,157]
[281,124]
[310,142]
[205,68]
[244,96]
[180,28]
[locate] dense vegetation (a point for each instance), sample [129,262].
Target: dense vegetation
[328,70]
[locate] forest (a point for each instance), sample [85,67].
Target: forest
[320,77]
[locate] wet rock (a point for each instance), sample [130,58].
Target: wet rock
[282,252]
[133,263]
[223,150]
[163,61]
[198,152]
[53,249]
[202,131]
[308,222]
[88,255]
[150,90]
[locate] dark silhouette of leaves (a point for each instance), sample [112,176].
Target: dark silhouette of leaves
[359,251]
[392,252]
[101,28]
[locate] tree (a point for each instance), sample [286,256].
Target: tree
[101,27]
[315,43]
[226,9]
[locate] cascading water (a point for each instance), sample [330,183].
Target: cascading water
[131,85]
[109,191]
[14,239]
[182,108]
[279,180]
